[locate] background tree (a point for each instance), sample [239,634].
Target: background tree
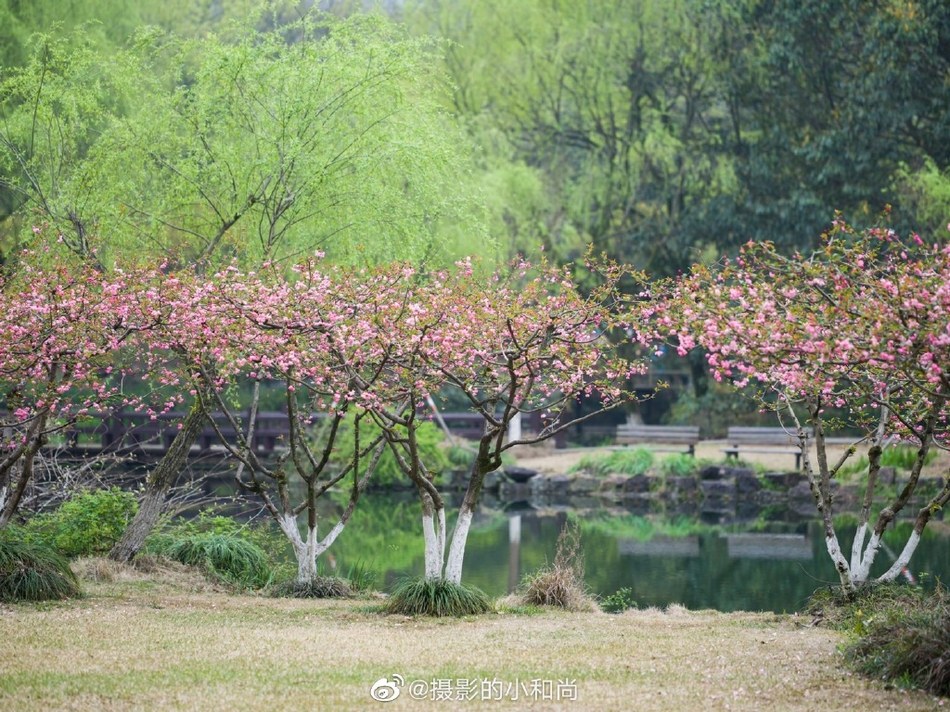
[255,144]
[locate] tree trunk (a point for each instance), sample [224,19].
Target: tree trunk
[159,484]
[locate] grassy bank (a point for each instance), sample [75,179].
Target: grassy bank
[170,640]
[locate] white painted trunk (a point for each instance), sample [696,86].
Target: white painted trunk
[4,493]
[860,574]
[909,548]
[434,537]
[841,564]
[453,567]
[514,428]
[304,551]
[857,548]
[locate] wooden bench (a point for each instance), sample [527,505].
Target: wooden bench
[681,437]
[763,440]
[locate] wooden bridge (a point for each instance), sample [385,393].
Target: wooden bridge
[145,435]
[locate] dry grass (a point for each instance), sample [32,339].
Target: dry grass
[144,641]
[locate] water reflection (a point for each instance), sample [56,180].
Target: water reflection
[758,565]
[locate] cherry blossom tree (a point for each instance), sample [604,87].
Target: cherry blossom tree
[298,332]
[516,341]
[63,327]
[854,334]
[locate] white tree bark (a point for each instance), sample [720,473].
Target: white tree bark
[433,532]
[857,547]
[304,551]
[453,567]
[841,563]
[901,563]
[860,573]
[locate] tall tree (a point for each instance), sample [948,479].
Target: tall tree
[255,144]
[834,97]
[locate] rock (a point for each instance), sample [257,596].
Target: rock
[722,472]
[583,484]
[520,474]
[747,483]
[514,492]
[719,489]
[613,483]
[638,484]
[682,485]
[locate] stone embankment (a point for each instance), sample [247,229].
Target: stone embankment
[732,492]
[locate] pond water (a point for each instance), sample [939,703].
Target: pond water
[771,564]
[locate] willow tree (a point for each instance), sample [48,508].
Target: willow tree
[255,144]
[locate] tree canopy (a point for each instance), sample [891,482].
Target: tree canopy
[255,144]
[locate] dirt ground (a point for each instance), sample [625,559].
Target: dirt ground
[172,642]
[546,459]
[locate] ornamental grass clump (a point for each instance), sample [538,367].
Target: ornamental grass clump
[562,584]
[636,461]
[33,572]
[228,558]
[317,587]
[437,597]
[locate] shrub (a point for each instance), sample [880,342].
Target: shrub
[679,465]
[361,577]
[618,602]
[625,462]
[229,558]
[437,597]
[561,585]
[317,587]
[88,524]
[903,638]
[31,571]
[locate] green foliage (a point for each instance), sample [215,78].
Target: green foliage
[561,584]
[317,587]
[900,634]
[226,557]
[901,457]
[362,577]
[429,440]
[678,465]
[250,144]
[88,524]
[636,461]
[459,457]
[31,571]
[618,601]
[436,597]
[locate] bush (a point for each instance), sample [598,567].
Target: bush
[900,633]
[679,465]
[31,571]
[618,602]
[561,585]
[624,462]
[428,597]
[361,577]
[317,587]
[88,524]
[905,641]
[229,558]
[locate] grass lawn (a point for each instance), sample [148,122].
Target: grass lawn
[170,640]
